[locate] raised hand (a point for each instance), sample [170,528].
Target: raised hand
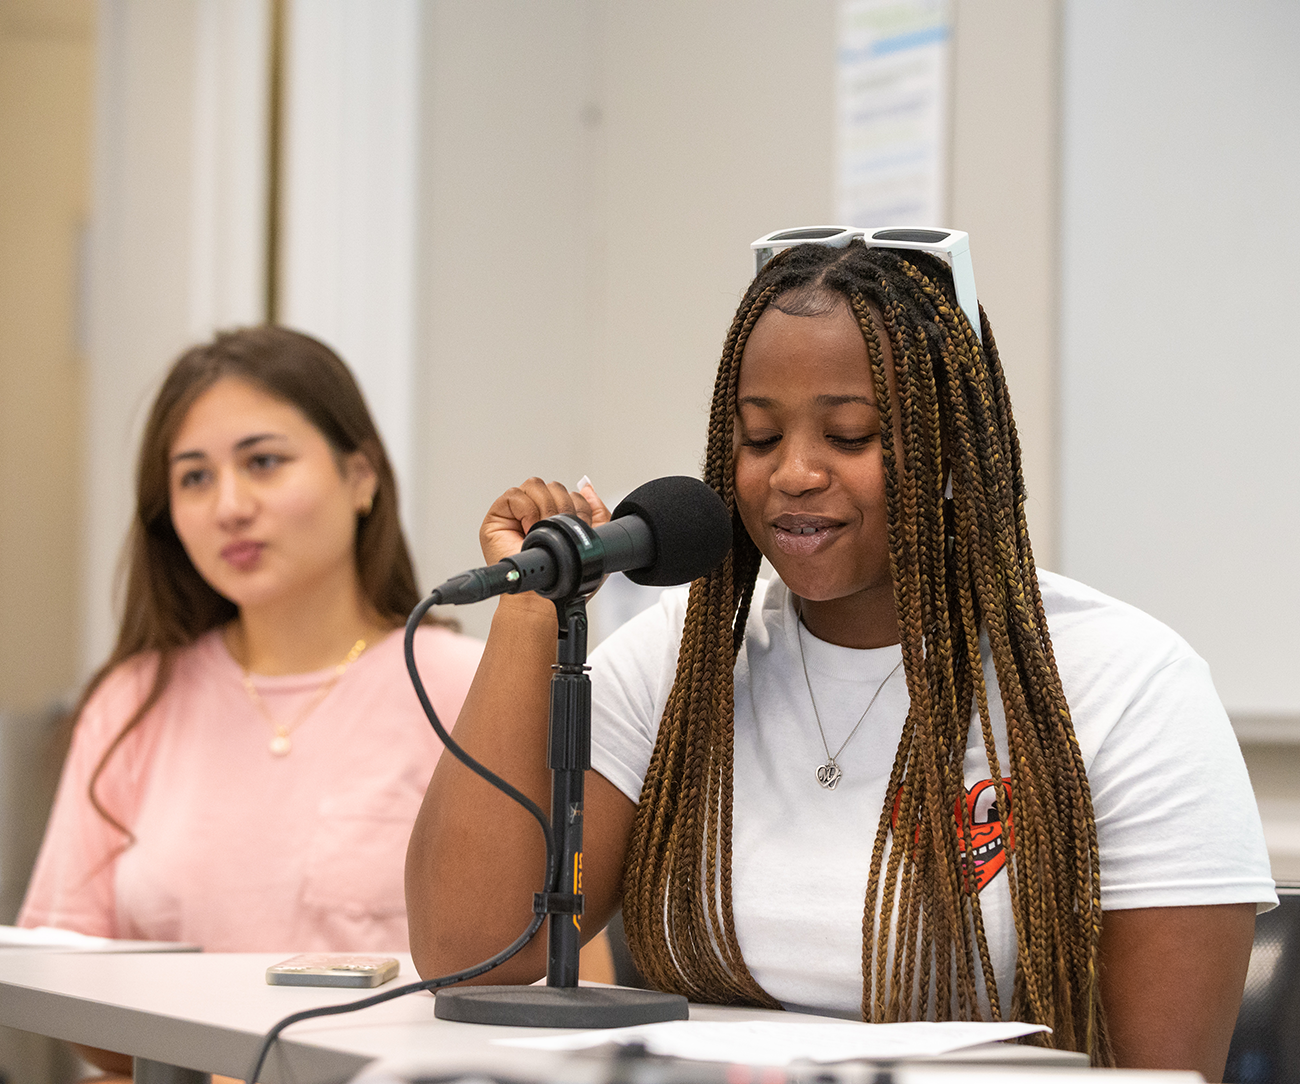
[519,508]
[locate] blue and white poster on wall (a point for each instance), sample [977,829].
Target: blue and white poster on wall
[892,88]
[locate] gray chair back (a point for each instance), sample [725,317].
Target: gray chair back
[1266,1043]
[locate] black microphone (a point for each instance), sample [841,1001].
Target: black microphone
[668,531]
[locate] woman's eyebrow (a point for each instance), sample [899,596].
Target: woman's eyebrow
[257,438]
[763,402]
[844,400]
[246,442]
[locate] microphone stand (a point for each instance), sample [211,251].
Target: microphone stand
[562,1003]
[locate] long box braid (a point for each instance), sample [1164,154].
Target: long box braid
[955,575]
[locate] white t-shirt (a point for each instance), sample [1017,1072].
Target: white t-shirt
[1176,818]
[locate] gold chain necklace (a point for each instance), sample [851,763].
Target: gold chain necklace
[281,743]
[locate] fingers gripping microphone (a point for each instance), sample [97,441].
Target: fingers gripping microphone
[668,531]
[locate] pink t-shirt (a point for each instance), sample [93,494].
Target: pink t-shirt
[238,850]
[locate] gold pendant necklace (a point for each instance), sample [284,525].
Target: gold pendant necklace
[281,743]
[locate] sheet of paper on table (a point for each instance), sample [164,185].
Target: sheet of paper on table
[47,937]
[50,939]
[778,1042]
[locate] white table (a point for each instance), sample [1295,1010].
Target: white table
[183,1015]
[204,1012]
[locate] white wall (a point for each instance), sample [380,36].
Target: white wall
[347,202]
[593,175]
[1180,364]
[1004,189]
[178,234]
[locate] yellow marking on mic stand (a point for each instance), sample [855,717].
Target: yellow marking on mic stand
[577,882]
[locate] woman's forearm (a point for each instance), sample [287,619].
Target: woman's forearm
[476,857]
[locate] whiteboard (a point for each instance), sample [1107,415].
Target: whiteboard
[1180,328]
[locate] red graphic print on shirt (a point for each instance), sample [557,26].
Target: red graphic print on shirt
[989,838]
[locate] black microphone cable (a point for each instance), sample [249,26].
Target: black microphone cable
[552,871]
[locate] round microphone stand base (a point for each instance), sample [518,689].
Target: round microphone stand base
[558,1006]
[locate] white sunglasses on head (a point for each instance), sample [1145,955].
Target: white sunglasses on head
[951,246]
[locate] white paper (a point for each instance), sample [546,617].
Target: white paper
[47,937]
[780,1042]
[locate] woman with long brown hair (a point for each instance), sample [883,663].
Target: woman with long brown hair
[911,776]
[246,765]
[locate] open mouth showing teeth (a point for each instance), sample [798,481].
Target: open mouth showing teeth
[802,539]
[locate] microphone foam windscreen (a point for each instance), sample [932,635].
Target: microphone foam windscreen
[691,528]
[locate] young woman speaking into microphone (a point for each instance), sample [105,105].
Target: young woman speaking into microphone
[911,776]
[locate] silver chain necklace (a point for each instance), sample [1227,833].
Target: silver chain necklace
[829,774]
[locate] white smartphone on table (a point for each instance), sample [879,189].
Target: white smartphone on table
[332,969]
